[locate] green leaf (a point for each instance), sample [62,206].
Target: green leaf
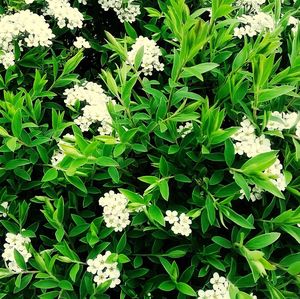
[16,125]
[121,244]
[72,63]
[186,289]
[127,89]
[294,269]
[297,149]
[50,175]
[236,218]
[114,174]
[156,214]
[198,70]
[139,58]
[163,166]
[262,241]
[132,196]
[222,242]
[77,182]
[274,292]
[167,286]
[130,30]
[5,273]
[46,284]
[19,259]
[65,285]
[275,92]
[220,135]
[12,164]
[78,229]
[3,132]
[260,162]
[268,186]
[11,143]
[240,180]
[164,189]
[292,231]
[210,207]
[182,178]
[106,162]
[229,152]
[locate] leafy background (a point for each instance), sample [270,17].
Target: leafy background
[209,78]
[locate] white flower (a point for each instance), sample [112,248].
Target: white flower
[181,224]
[81,42]
[7,59]
[29,1]
[5,206]
[95,109]
[171,216]
[295,23]
[115,212]
[254,24]
[24,27]
[282,121]
[127,12]
[184,219]
[297,132]
[19,243]
[64,13]
[152,53]
[104,270]
[252,5]
[57,157]
[185,129]
[220,288]
[247,141]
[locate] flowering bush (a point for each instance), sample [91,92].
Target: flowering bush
[149,149]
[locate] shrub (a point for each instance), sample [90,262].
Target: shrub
[149,149]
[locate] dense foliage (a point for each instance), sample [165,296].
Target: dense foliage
[149,149]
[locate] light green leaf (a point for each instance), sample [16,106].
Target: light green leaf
[262,241]
[50,175]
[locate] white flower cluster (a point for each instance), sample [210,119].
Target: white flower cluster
[95,110]
[64,13]
[5,206]
[248,143]
[59,154]
[255,193]
[84,2]
[28,28]
[151,55]
[81,42]
[294,23]
[19,243]
[115,212]
[185,129]
[282,121]
[220,288]
[251,5]
[126,11]
[254,24]
[277,177]
[298,130]
[104,270]
[29,1]
[181,224]
[57,157]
